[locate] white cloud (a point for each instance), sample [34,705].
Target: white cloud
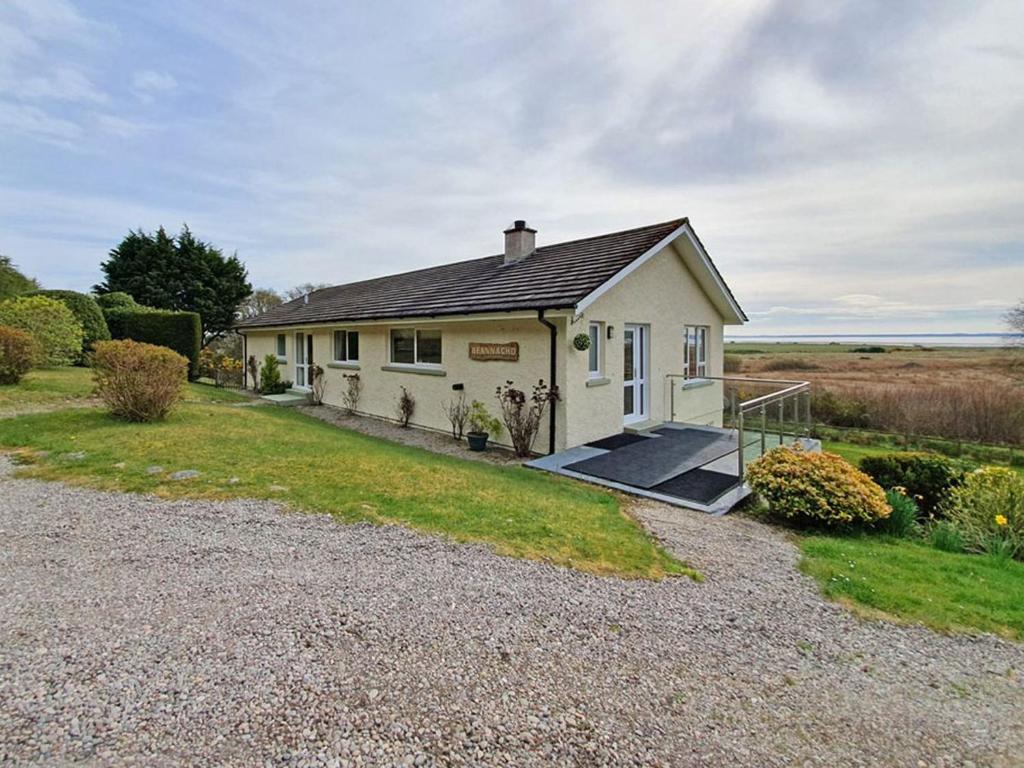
[147,84]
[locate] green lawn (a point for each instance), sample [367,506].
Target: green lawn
[913,582]
[53,386]
[278,453]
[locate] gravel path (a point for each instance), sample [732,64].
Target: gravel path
[135,631]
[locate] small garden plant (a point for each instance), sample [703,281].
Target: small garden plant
[270,377]
[318,382]
[926,477]
[406,407]
[987,510]
[456,411]
[138,382]
[522,414]
[481,422]
[353,391]
[19,351]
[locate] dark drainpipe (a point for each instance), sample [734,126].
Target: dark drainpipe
[245,362]
[553,381]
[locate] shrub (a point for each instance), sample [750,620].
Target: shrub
[457,411]
[732,363]
[18,352]
[868,350]
[839,411]
[137,381]
[252,365]
[481,421]
[816,488]
[902,519]
[353,390]
[180,331]
[270,377]
[223,369]
[87,312]
[927,477]
[944,535]
[406,407]
[51,323]
[318,381]
[116,300]
[789,364]
[522,415]
[987,509]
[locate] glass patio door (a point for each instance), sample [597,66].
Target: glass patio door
[303,359]
[635,374]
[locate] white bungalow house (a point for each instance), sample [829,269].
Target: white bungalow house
[649,300]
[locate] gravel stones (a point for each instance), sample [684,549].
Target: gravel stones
[147,632]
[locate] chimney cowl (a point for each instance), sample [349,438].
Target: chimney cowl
[520,241]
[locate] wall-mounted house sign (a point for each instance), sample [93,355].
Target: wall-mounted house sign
[508,351]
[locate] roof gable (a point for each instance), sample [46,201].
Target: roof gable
[557,276]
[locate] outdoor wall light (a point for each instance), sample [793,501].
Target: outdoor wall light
[611,331]
[458,387]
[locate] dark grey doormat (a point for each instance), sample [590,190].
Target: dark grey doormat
[618,441]
[700,485]
[647,463]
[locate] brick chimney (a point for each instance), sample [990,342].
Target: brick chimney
[520,242]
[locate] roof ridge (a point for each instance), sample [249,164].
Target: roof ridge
[677,222]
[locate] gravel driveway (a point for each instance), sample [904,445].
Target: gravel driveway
[146,632]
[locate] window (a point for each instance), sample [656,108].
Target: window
[411,346]
[695,352]
[595,350]
[346,346]
[281,352]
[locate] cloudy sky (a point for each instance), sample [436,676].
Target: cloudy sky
[852,167]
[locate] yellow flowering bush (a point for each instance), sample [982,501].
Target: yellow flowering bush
[987,510]
[820,488]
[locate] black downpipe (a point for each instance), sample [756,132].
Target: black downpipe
[554,382]
[245,362]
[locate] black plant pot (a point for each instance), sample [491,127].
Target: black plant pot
[477,440]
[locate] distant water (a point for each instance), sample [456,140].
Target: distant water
[892,339]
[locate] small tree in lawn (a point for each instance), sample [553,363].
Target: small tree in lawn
[522,414]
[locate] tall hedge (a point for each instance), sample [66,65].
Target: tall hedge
[180,331]
[51,324]
[85,308]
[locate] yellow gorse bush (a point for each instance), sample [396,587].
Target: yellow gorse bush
[816,487]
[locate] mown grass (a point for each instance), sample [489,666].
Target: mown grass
[274,453]
[53,386]
[912,582]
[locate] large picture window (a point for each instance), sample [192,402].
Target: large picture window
[595,350]
[346,346]
[695,352]
[413,346]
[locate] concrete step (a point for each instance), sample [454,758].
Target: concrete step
[289,398]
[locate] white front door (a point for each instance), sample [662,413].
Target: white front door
[303,358]
[635,373]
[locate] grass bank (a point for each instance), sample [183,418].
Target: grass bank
[913,582]
[273,453]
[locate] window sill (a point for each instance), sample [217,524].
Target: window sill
[422,370]
[343,365]
[281,358]
[598,381]
[697,383]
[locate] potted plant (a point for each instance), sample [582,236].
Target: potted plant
[481,426]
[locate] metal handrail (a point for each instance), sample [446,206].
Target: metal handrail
[792,390]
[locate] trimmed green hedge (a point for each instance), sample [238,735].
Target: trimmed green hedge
[180,331]
[88,313]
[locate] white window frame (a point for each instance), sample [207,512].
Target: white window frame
[415,348]
[334,346]
[694,332]
[281,347]
[595,331]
